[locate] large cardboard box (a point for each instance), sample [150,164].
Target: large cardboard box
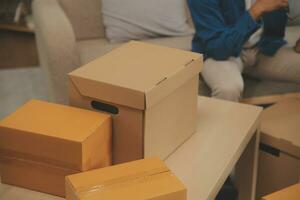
[137,180]
[150,90]
[290,193]
[279,159]
[42,142]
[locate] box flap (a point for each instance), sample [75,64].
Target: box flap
[280,126]
[48,132]
[127,74]
[173,81]
[123,179]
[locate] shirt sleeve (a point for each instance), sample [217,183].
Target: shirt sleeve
[220,41]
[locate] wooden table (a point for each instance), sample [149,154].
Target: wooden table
[227,134]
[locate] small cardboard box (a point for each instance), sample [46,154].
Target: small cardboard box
[42,142]
[150,90]
[290,193]
[279,158]
[137,180]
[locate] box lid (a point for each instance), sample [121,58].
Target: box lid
[48,132]
[136,74]
[280,126]
[142,178]
[290,193]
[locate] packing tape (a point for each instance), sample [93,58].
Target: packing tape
[83,192]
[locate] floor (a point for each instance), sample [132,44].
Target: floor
[18,85]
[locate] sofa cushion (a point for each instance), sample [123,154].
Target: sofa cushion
[85,17]
[139,19]
[92,49]
[258,88]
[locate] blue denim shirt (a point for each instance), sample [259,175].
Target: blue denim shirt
[224,26]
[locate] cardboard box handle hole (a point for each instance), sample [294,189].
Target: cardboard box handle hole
[105,107]
[270,150]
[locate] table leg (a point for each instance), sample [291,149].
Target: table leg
[246,169]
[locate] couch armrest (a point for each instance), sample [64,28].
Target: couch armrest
[56,44]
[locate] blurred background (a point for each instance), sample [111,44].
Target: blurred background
[43,40]
[20,75]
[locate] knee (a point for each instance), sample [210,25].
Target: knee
[230,92]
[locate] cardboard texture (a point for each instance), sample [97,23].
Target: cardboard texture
[290,193]
[42,142]
[151,92]
[137,180]
[280,147]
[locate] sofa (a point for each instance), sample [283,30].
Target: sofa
[70,33]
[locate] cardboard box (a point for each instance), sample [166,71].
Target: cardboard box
[279,159]
[42,142]
[290,193]
[137,180]
[150,90]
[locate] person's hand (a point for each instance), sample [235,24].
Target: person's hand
[263,6]
[297,46]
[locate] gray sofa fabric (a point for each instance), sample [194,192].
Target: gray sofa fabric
[92,49]
[257,88]
[70,33]
[57,47]
[85,17]
[140,19]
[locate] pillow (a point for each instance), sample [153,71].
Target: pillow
[139,19]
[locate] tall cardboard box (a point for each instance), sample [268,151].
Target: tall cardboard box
[290,193]
[42,142]
[137,180]
[150,90]
[279,159]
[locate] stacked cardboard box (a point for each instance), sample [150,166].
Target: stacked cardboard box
[279,160]
[142,179]
[151,92]
[42,142]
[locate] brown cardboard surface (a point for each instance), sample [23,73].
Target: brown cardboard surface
[146,84]
[127,128]
[56,137]
[290,193]
[142,179]
[35,176]
[280,126]
[164,133]
[135,70]
[279,160]
[276,172]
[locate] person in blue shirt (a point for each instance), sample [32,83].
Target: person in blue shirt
[243,36]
